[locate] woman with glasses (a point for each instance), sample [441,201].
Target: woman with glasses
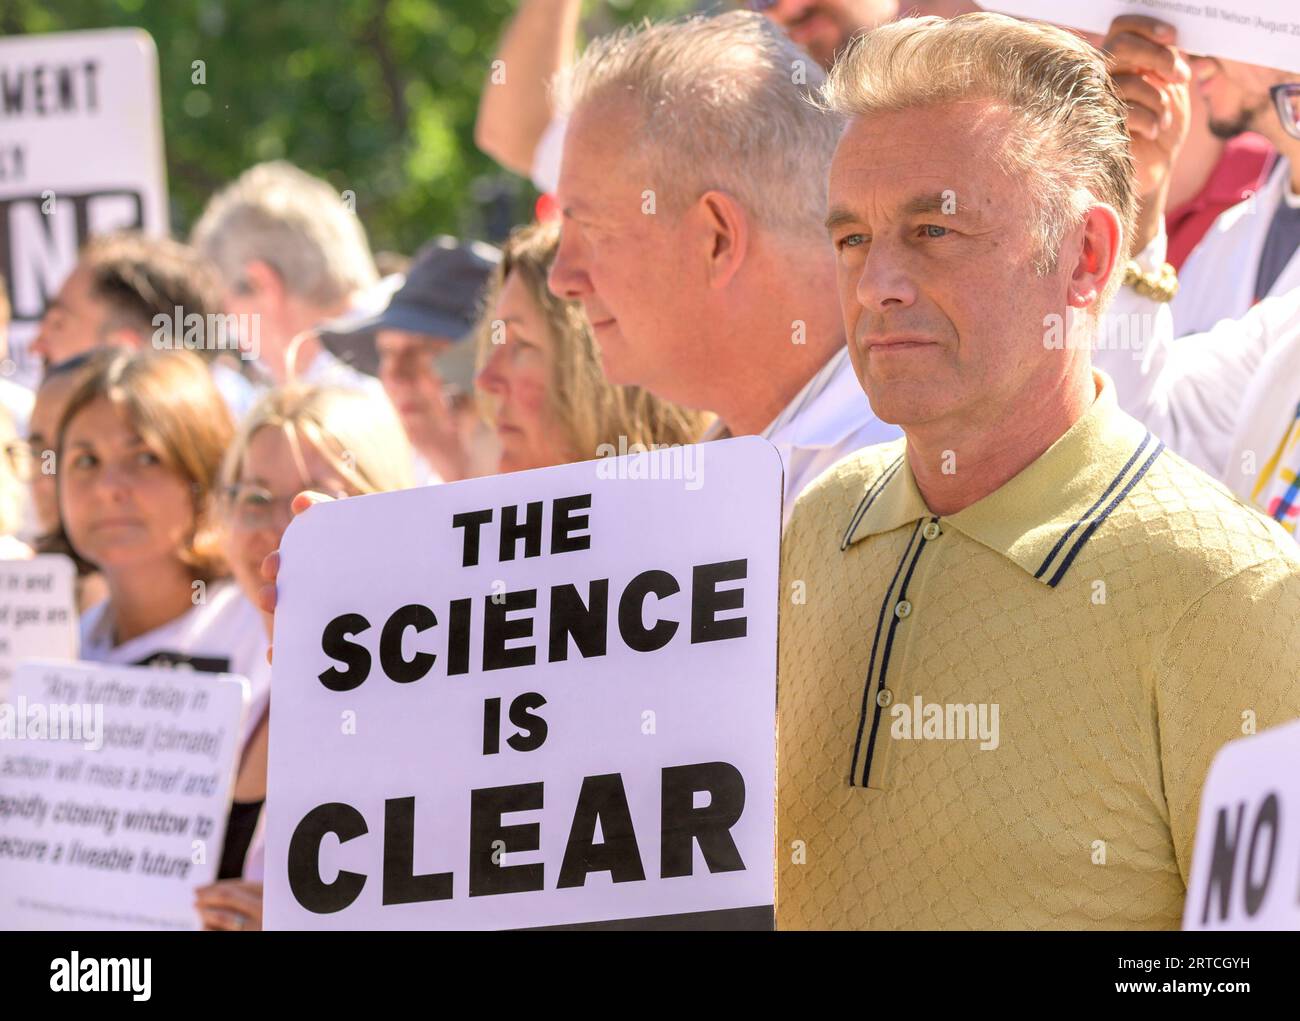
[330,440]
[550,403]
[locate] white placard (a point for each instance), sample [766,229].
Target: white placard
[81,153]
[38,612]
[114,824]
[1265,32]
[573,725]
[1246,860]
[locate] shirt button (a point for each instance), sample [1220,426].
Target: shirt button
[931,530]
[883,697]
[903,609]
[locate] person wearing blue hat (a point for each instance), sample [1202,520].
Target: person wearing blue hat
[422,350]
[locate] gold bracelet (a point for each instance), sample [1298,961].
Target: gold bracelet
[1161,285]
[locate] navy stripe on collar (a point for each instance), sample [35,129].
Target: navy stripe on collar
[1088,532]
[1060,543]
[868,499]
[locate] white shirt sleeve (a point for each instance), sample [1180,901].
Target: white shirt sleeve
[1191,391]
[547,156]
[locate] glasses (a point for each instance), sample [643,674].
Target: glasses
[1286,98]
[22,459]
[256,507]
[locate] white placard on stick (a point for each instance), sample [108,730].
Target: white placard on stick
[114,791]
[1265,32]
[1246,859]
[81,153]
[536,699]
[38,612]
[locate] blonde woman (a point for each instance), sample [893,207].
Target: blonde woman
[340,442]
[540,374]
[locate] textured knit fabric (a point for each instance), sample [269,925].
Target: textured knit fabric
[1119,608]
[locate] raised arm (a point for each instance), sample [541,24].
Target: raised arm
[516,104]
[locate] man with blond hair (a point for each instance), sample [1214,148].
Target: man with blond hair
[293,256]
[1028,626]
[692,190]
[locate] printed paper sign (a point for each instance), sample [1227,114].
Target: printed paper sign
[38,612]
[81,153]
[1246,861]
[114,791]
[1265,32]
[536,699]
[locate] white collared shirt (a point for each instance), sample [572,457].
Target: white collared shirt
[1223,399]
[327,370]
[1218,279]
[828,419]
[222,634]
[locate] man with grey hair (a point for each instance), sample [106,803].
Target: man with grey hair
[692,190]
[292,256]
[517,123]
[1028,626]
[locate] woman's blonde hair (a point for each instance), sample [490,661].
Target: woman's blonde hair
[358,434]
[591,411]
[168,397]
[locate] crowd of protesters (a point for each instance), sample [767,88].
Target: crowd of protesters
[864,263]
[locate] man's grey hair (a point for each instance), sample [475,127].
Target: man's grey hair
[724,103]
[295,223]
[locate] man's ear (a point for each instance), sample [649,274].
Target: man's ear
[726,230]
[1098,257]
[126,337]
[262,280]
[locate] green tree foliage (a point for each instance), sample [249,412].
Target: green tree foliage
[378,96]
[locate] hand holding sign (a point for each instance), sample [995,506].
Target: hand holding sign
[271,565]
[1153,77]
[1262,32]
[230,905]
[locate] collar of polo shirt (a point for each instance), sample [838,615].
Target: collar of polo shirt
[1042,517]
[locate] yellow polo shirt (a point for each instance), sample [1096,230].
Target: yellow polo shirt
[1003,718]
